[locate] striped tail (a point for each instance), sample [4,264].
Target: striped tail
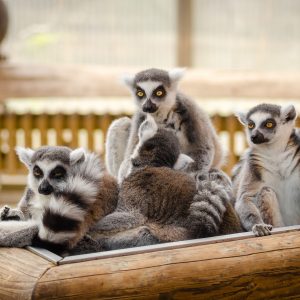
[209,205]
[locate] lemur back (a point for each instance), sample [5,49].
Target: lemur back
[68,191]
[160,201]
[266,180]
[155,93]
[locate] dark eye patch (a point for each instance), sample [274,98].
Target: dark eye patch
[37,172]
[149,146]
[159,92]
[140,93]
[266,123]
[58,172]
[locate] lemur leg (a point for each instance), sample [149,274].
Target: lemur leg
[250,216]
[267,203]
[168,233]
[119,221]
[116,143]
[140,236]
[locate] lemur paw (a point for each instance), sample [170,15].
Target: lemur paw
[262,229]
[8,214]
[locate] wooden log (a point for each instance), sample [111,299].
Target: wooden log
[252,268]
[260,268]
[19,272]
[82,81]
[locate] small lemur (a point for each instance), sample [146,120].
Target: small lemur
[266,180]
[67,192]
[155,93]
[158,202]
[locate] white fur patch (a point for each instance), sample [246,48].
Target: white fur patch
[149,87]
[64,208]
[176,74]
[55,237]
[259,117]
[25,155]
[183,162]
[77,155]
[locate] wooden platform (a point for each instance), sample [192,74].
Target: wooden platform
[230,267]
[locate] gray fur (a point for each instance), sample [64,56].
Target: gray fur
[197,136]
[153,75]
[77,199]
[272,109]
[266,179]
[159,204]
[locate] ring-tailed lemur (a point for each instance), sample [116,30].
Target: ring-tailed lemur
[67,192]
[266,180]
[158,202]
[155,92]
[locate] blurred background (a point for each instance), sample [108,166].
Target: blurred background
[61,62]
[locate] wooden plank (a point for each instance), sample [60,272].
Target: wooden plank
[73,124]
[184,33]
[170,246]
[10,122]
[89,125]
[257,268]
[59,81]
[42,124]
[19,272]
[58,125]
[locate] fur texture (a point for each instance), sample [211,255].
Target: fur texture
[266,180]
[155,93]
[68,191]
[160,204]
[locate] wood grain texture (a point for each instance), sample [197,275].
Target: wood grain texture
[21,80]
[260,268]
[19,273]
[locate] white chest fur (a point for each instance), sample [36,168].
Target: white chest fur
[282,176]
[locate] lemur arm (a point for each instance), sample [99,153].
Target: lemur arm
[119,221]
[116,142]
[250,215]
[21,213]
[194,130]
[137,120]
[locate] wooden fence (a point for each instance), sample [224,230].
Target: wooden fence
[76,130]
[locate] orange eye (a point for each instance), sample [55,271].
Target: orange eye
[140,94]
[159,93]
[269,125]
[251,125]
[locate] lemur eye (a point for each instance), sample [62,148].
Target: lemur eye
[159,93]
[251,125]
[37,172]
[140,94]
[58,173]
[269,125]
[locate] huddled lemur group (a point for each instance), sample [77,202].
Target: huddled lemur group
[163,181]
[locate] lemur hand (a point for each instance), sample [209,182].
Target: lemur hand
[262,229]
[8,214]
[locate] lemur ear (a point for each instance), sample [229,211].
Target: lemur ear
[128,79]
[176,74]
[147,129]
[241,117]
[25,155]
[77,156]
[183,162]
[288,113]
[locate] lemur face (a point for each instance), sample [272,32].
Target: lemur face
[49,167]
[154,89]
[267,123]
[158,147]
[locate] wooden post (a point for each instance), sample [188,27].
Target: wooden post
[184,33]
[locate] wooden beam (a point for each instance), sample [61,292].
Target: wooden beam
[184,33]
[82,81]
[257,268]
